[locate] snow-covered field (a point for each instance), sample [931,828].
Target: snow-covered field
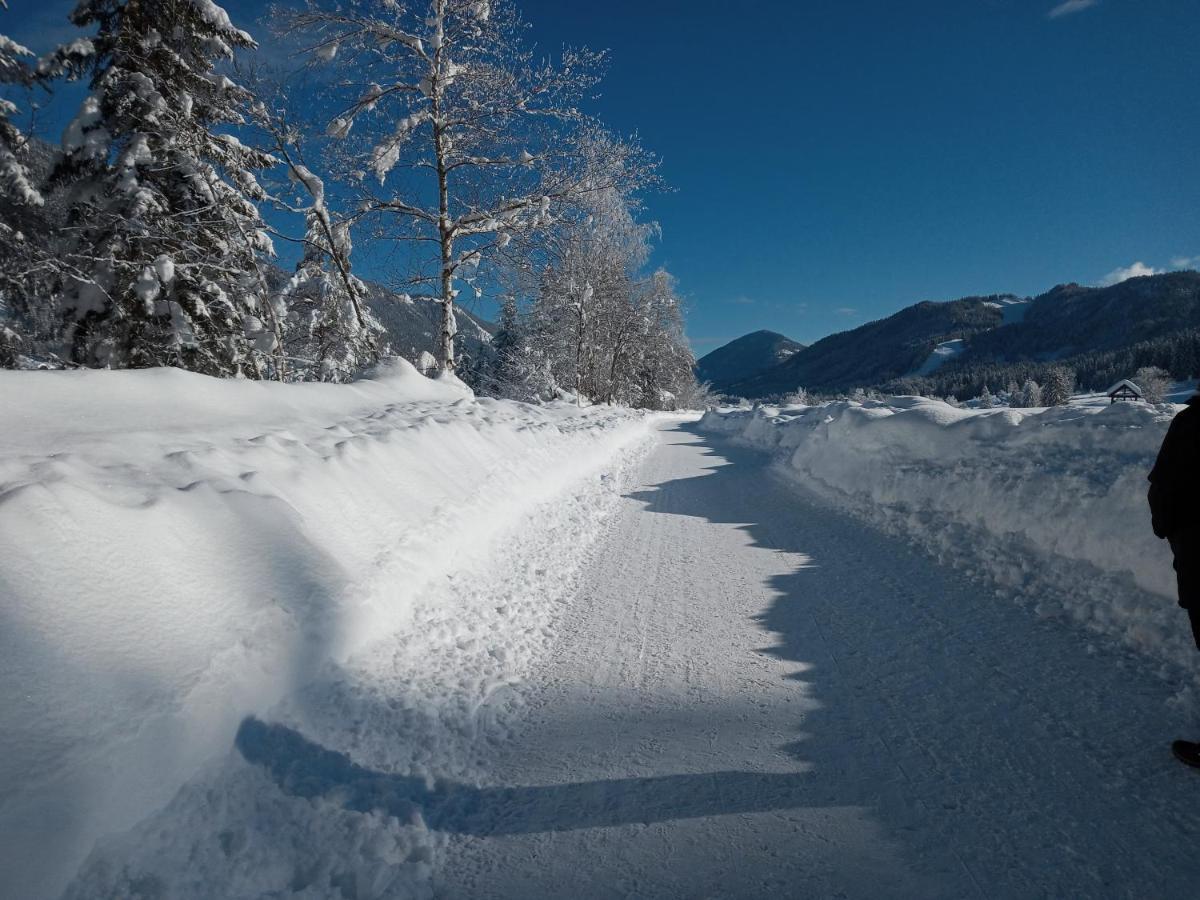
[178,553]
[1046,505]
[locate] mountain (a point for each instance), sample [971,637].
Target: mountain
[413,326]
[878,351]
[1103,334]
[744,357]
[957,346]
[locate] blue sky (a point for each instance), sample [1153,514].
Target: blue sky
[834,161]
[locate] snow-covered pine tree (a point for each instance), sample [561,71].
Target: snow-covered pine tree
[164,235]
[1060,383]
[15,182]
[460,101]
[1031,394]
[985,399]
[329,331]
[513,371]
[1013,394]
[18,195]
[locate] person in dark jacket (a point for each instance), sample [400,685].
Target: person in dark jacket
[1175,516]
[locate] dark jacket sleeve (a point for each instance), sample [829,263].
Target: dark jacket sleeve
[1171,475]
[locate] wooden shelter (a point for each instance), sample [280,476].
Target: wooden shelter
[1125,390]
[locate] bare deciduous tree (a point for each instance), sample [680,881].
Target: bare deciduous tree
[472,141]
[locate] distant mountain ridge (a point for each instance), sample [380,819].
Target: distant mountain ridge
[959,345]
[879,351]
[744,357]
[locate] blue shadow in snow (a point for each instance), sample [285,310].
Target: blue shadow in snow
[305,769]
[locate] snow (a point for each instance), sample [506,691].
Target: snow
[387,640]
[1124,383]
[942,353]
[1012,309]
[178,552]
[1046,506]
[757,695]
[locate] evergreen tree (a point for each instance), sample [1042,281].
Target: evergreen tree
[164,235]
[1013,394]
[19,196]
[985,399]
[512,372]
[1031,395]
[1059,386]
[330,334]
[15,182]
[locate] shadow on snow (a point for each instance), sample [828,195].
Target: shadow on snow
[1005,755]
[304,769]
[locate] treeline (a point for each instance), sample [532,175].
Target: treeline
[148,238]
[1177,354]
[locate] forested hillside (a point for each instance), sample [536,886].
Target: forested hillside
[1101,334]
[1098,334]
[744,357]
[878,351]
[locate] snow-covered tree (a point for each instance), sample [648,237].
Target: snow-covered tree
[329,333]
[1060,383]
[515,371]
[1154,382]
[16,184]
[19,196]
[1012,394]
[164,238]
[666,365]
[586,309]
[1031,395]
[985,399]
[469,138]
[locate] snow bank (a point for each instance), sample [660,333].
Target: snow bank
[1047,505]
[177,552]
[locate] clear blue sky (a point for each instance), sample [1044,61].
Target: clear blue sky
[834,161]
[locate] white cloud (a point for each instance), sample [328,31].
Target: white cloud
[846,311]
[1071,6]
[1137,270]
[742,300]
[1185,262]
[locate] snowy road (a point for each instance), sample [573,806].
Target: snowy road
[754,695]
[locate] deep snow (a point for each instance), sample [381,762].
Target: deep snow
[388,641]
[758,695]
[1045,505]
[177,552]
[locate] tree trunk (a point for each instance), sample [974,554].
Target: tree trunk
[445,230]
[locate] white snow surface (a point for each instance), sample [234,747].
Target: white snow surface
[754,694]
[1012,309]
[1045,505]
[178,553]
[942,353]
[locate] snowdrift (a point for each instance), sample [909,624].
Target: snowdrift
[1046,505]
[179,552]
